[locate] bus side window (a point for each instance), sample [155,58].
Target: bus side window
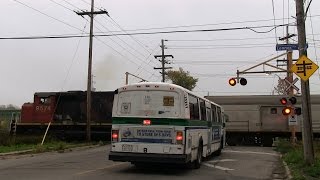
[209,114]
[219,114]
[203,110]
[214,113]
[194,107]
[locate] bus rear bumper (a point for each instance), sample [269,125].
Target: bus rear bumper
[144,157]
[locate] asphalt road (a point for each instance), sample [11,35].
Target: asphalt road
[235,163]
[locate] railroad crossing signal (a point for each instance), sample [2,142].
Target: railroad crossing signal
[233,81]
[304,68]
[289,108]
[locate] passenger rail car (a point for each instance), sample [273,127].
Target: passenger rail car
[258,119]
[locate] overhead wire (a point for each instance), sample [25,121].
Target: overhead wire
[135,39]
[107,30]
[142,33]
[74,27]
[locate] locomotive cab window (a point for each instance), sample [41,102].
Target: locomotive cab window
[45,100]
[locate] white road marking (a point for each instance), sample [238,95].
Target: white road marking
[223,160]
[252,152]
[93,170]
[217,167]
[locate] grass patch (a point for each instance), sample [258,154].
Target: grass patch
[20,143]
[293,156]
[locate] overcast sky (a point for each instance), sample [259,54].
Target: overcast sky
[29,66]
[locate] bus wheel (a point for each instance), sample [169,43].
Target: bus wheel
[218,152]
[197,162]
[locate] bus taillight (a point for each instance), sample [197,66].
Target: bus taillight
[115,135]
[179,137]
[147,122]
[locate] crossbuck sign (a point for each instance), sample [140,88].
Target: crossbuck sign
[291,84]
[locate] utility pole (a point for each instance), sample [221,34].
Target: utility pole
[307,138]
[290,92]
[91,15]
[163,61]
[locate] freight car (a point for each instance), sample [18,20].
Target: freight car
[258,119]
[67,113]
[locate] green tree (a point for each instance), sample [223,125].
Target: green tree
[182,78]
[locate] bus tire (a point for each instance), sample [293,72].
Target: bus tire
[198,161]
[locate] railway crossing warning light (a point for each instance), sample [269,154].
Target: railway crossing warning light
[283,101]
[286,111]
[232,81]
[289,108]
[297,111]
[243,81]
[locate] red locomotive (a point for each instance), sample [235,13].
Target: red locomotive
[67,113]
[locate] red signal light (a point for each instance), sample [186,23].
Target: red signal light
[232,81]
[286,111]
[283,101]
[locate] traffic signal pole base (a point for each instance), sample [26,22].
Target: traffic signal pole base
[293,138]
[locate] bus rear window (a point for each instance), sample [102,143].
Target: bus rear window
[148,103]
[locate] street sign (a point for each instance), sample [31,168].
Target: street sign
[291,84]
[285,47]
[293,120]
[304,68]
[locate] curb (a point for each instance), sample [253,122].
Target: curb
[16,152]
[31,151]
[288,174]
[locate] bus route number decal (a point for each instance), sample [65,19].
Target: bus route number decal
[168,101]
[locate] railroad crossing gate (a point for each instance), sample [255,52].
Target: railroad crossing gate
[304,68]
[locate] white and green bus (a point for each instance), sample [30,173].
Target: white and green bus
[164,123]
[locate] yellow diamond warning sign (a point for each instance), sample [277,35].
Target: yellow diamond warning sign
[304,68]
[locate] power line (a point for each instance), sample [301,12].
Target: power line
[99,29]
[141,33]
[47,15]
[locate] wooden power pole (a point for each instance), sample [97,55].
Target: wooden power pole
[91,15]
[305,89]
[163,60]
